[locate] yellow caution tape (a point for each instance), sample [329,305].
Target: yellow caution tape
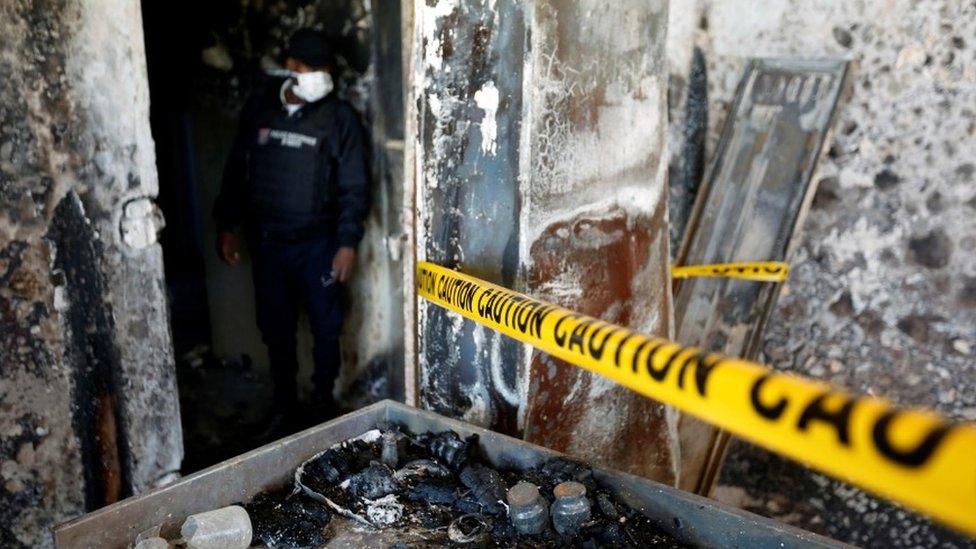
[911,456]
[763,271]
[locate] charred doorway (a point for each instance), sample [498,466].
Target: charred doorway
[203,60]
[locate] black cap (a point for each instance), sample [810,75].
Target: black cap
[310,47]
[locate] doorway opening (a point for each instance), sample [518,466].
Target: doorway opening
[203,60]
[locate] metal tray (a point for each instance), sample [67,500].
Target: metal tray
[690,518]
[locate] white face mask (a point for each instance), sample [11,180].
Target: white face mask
[312,86]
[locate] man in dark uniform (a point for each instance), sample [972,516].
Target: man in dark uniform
[295,184]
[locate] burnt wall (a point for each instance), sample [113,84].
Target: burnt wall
[89,410]
[880,295]
[594,217]
[468,87]
[539,166]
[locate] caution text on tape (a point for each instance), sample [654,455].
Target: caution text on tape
[762,271]
[911,456]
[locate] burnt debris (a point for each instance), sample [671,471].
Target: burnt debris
[450,448]
[373,482]
[486,486]
[444,493]
[284,518]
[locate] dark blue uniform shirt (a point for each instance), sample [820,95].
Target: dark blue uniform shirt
[293,176]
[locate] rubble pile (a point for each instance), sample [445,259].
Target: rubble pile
[436,487]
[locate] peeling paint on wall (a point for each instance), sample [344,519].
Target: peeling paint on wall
[541,156]
[487,100]
[594,217]
[468,81]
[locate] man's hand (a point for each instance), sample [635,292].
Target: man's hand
[343,264]
[229,248]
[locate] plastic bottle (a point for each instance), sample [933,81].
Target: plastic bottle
[152,543]
[389,453]
[224,528]
[527,509]
[571,508]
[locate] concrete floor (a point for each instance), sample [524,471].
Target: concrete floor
[219,401]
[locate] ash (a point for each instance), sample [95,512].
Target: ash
[432,490]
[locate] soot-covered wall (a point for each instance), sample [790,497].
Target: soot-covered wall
[89,409]
[540,166]
[882,291]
